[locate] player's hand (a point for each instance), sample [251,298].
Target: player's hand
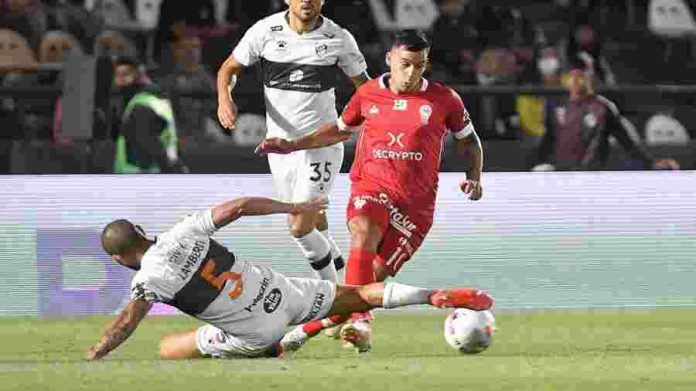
[274,145]
[473,188]
[92,354]
[666,164]
[227,114]
[315,205]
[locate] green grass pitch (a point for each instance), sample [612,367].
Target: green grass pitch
[534,350]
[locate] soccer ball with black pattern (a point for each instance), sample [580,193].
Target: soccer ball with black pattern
[468,331]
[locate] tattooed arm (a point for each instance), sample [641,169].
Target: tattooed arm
[120,329]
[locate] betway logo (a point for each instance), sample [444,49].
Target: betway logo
[397,155]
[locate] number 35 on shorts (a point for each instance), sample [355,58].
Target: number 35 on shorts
[320,172]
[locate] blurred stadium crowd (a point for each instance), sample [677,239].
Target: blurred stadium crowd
[508,60]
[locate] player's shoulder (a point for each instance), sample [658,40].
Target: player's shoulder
[369,87]
[444,92]
[332,29]
[270,24]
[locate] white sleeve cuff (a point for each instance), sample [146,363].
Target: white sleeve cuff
[345,128]
[468,129]
[207,222]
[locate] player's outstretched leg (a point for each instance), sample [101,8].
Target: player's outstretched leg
[314,246]
[351,299]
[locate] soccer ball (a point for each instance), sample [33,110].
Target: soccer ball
[469,331]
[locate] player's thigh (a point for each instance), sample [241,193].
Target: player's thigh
[216,343]
[180,345]
[368,218]
[403,237]
[317,170]
[284,172]
[310,299]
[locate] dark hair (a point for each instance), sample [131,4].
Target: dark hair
[411,40]
[127,60]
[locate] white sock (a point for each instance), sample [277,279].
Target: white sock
[335,251]
[317,250]
[399,295]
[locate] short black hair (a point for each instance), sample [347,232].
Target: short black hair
[411,40]
[127,60]
[119,236]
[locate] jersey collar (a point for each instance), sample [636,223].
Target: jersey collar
[383,83]
[286,22]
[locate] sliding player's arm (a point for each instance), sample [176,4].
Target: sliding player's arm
[228,212]
[120,329]
[468,145]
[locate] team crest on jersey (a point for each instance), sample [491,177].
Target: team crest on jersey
[374,110]
[276,28]
[425,112]
[282,45]
[321,49]
[400,104]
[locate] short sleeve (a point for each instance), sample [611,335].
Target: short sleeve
[200,223]
[143,288]
[248,50]
[458,121]
[351,118]
[351,60]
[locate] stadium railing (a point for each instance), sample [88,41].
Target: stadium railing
[504,153]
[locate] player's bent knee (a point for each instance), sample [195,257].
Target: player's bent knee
[179,346]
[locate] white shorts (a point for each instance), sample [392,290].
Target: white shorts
[300,301]
[302,175]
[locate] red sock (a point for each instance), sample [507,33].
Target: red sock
[359,271]
[314,327]
[359,267]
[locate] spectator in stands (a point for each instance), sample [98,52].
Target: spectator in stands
[585,45]
[26,17]
[115,14]
[355,16]
[404,14]
[112,44]
[193,113]
[496,114]
[65,15]
[455,42]
[578,132]
[16,61]
[148,141]
[181,18]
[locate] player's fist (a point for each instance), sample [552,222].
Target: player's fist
[666,164]
[274,145]
[315,205]
[92,354]
[227,114]
[473,188]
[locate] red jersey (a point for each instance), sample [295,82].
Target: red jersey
[400,146]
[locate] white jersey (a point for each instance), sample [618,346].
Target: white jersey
[187,269]
[299,71]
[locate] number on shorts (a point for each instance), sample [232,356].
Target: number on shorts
[317,176]
[218,282]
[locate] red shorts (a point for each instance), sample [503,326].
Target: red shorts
[405,224]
